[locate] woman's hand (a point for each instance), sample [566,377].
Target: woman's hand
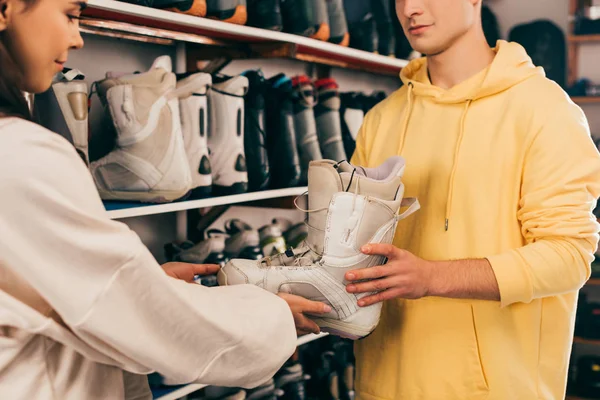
[187,272]
[300,307]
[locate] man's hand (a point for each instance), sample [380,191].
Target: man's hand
[405,275]
[301,306]
[187,272]
[408,276]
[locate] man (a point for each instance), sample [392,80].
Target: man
[481,289]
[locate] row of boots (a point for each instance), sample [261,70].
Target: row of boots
[232,11]
[162,128]
[365,25]
[176,134]
[320,370]
[238,239]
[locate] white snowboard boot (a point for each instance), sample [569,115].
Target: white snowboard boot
[349,207]
[64,109]
[149,163]
[226,138]
[194,124]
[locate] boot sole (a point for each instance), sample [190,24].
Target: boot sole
[238,16]
[158,196]
[342,329]
[201,192]
[236,188]
[198,9]
[323,33]
[341,41]
[276,28]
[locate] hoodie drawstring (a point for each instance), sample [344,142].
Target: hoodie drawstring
[461,134]
[409,109]
[455,163]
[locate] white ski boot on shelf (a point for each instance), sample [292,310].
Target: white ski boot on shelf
[243,240]
[64,109]
[149,163]
[194,124]
[226,138]
[211,250]
[349,207]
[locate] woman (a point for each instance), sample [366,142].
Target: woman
[85,310]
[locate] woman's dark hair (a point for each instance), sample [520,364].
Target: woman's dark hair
[12,100]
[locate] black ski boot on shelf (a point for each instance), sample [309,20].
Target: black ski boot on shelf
[298,17]
[345,366]
[385,28]
[265,14]
[361,25]
[257,159]
[305,124]
[281,133]
[232,11]
[324,384]
[196,8]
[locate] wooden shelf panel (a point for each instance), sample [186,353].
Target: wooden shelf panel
[593,282]
[169,26]
[580,340]
[118,210]
[584,38]
[586,100]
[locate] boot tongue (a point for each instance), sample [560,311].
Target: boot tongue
[323,182]
[163,62]
[345,166]
[326,178]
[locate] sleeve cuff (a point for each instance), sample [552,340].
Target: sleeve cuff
[513,281]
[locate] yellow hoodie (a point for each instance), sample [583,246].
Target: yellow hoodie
[505,169]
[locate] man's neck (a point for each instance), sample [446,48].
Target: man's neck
[466,57]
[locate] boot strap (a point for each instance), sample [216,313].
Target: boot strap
[413,205]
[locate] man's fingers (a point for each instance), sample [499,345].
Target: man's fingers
[376,285]
[368,273]
[379,297]
[205,269]
[388,250]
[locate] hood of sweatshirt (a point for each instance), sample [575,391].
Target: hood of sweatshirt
[510,66]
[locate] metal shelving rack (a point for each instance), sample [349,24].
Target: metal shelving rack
[200,41]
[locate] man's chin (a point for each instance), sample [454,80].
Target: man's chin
[429,51]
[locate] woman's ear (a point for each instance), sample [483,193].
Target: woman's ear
[6,8]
